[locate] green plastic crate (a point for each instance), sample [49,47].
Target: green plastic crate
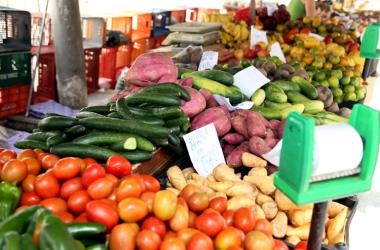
[15,68]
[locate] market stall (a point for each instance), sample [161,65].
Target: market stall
[219,135]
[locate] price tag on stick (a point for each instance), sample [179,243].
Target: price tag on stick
[249,80]
[204,149]
[209,60]
[276,50]
[257,36]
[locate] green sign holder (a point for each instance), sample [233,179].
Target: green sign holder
[370,47]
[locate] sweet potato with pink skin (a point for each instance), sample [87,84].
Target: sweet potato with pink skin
[274,124]
[258,146]
[196,104]
[215,115]
[131,90]
[187,82]
[206,94]
[212,102]
[281,129]
[234,158]
[233,138]
[152,68]
[240,125]
[255,125]
[227,149]
[270,138]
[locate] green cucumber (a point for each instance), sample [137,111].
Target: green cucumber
[184,94]
[88,229]
[123,110]
[36,130]
[183,71]
[176,122]
[42,136]
[56,123]
[100,109]
[85,114]
[25,144]
[185,127]
[166,112]
[287,85]
[168,92]
[258,97]
[136,155]
[173,139]
[75,131]
[313,107]
[82,151]
[114,115]
[56,139]
[175,130]
[129,126]
[156,99]
[295,97]
[160,141]
[268,113]
[217,75]
[307,88]
[276,105]
[275,94]
[298,108]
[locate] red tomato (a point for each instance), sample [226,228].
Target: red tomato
[118,166]
[89,161]
[200,241]
[81,218]
[101,212]
[29,199]
[156,225]
[99,189]
[28,183]
[328,40]
[302,245]
[228,216]
[65,217]
[46,186]
[209,223]
[7,155]
[55,205]
[280,245]
[186,234]
[128,188]
[219,204]
[192,217]
[132,209]
[115,181]
[165,204]
[173,243]
[235,248]
[92,173]
[170,234]
[14,171]
[67,168]
[264,226]
[148,240]
[112,196]
[305,31]
[33,165]
[38,151]
[48,161]
[244,219]
[138,178]
[293,31]
[198,202]
[70,187]
[77,201]
[123,236]
[26,153]
[151,183]
[188,191]
[256,240]
[148,198]
[227,238]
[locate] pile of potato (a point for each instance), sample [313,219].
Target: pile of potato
[257,190]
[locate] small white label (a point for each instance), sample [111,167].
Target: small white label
[209,60]
[276,50]
[204,149]
[257,36]
[249,80]
[320,38]
[271,8]
[224,101]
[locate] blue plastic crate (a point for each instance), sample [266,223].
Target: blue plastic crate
[160,20]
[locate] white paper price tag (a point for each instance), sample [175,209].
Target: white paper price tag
[209,60]
[276,50]
[223,101]
[257,36]
[320,38]
[204,149]
[249,80]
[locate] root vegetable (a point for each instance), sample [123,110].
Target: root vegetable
[176,177]
[262,198]
[281,128]
[217,194]
[279,225]
[239,201]
[258,146]
[223,172]
[187,82]
[234,158]
[241,188]
[239,123]
[210,178]
[187,173]
[233,138]
[214,115]
[270,209]
[301,232]
[227,149]
[258,172]
[300,217]
[220,186]
[274,124]
[253,161]
[259,213]
[255,124]
[336,225]
[334,208]
[196,104]
[174,190]
[293,239]
[270,138]
[263,183]
[283,202]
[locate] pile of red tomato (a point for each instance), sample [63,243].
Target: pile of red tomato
[135,211]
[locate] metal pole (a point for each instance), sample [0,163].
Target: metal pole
[252,12]
[69,56]
[366,68]
[317,227]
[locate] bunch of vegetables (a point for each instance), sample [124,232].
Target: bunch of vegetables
[256,190]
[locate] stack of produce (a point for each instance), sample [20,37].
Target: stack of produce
[257,191]
[278,17]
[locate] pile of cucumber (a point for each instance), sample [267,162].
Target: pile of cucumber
[132,126]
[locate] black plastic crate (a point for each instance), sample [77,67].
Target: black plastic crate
[160,20]
[15,68]
[15,30]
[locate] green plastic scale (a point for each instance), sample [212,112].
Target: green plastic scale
[294,175]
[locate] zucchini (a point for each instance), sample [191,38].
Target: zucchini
[275,94]
[183,93]
[42,136]
[156,99]
[295,97]
[176,122]
[82,151]
[89,229]
[276,105]
[307,88]
[56,123]
[75,131]
[56,139]
[25,144]
[85,114]
[258,97]
[222,77]
[287,85]
[100,109]
[136,156]
[129,126]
